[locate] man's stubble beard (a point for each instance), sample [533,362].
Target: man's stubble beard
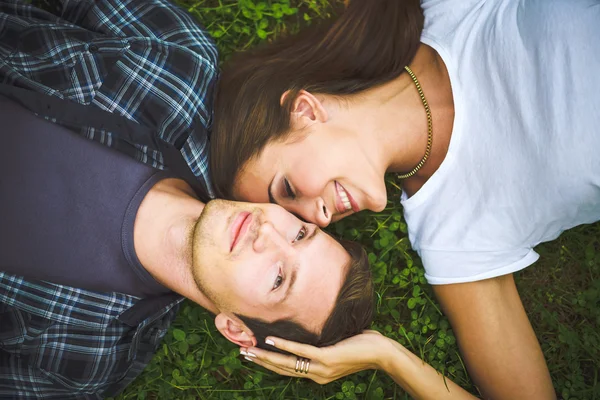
[202,238]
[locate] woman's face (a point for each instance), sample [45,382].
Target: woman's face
[321,176]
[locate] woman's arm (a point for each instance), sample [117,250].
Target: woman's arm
[496,339]
[418,378]
[369,350]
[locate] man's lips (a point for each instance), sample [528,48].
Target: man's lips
[239,228]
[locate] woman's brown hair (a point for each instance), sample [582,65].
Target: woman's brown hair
[367,46]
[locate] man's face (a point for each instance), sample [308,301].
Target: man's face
[260,261]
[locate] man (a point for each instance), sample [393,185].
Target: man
[146,62]
[149,62]
[99,220]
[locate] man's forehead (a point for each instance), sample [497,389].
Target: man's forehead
[317,292]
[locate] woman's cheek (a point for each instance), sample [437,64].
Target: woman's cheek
[378,203]
[312,183]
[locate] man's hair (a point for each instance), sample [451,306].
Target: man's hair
[351,314]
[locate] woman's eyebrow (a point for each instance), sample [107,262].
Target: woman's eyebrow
[273,201]
[270,191]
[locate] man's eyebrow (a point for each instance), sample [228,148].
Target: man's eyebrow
[313,234]
[290,285]
[293,274]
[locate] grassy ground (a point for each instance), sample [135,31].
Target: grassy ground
[561,292]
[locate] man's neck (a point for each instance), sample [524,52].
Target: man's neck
[163,234]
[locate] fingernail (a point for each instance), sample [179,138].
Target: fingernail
[250,354]
[270,342]
[242,352]
[249,359]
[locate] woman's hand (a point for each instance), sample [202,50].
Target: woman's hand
[369,350]
[360,352]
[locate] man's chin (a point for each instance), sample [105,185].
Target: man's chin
[210,233]
[214,210]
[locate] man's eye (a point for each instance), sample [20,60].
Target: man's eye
[278,282]
[288,189]
[301,234]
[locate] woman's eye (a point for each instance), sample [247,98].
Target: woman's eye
[301,234]
[278,282]
[288,189]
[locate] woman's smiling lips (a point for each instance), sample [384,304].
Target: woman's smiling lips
[239,227]
[343,200]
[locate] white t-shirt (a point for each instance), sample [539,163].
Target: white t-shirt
[524,158]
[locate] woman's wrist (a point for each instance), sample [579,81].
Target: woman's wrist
[389,354]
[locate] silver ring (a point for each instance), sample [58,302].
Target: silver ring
[297,364]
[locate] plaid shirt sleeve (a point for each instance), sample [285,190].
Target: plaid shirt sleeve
[58,342]
[146,60]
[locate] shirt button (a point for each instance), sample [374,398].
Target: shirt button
[92,48]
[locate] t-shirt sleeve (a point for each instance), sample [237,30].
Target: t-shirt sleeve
[446,267]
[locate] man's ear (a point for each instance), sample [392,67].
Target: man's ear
[306,107]
[235,331]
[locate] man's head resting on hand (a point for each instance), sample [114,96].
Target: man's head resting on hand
[269,273]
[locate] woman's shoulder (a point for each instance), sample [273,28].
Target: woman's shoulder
[444,17]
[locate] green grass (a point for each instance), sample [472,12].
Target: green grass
[561,292]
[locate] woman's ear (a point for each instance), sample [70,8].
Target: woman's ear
[235,331]
[306,107]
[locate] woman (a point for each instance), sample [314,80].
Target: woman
[493,128]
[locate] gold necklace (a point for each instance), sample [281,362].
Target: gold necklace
[429,127]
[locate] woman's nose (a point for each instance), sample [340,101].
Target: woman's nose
[322,215]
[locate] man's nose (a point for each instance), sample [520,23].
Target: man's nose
[268,238]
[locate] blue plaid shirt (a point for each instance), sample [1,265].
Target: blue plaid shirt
[147,61]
